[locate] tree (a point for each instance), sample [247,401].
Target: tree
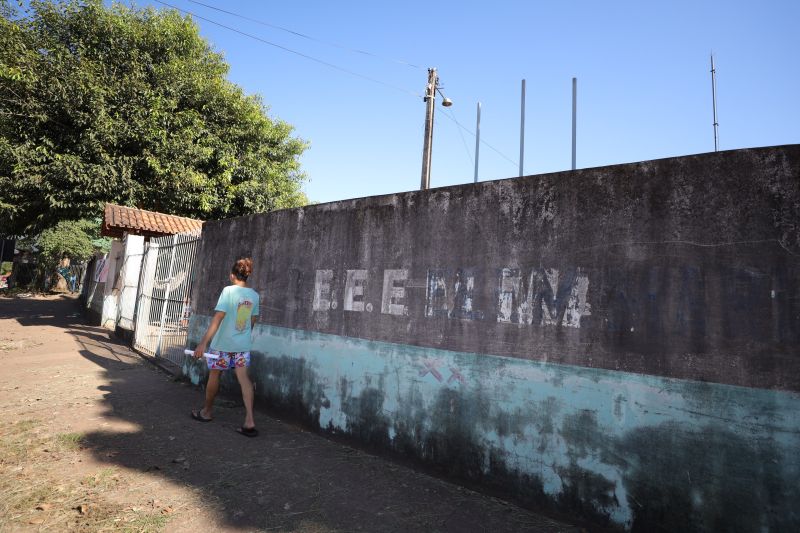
[76,239]
[119,104]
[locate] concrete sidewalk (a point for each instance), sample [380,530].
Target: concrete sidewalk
[140,459]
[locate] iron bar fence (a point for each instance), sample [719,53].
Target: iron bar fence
[164,303]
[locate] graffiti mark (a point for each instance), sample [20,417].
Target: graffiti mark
[354,290]
[323,296]
[428,366]
[455,375]
[394,292]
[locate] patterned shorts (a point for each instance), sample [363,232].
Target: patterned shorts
[228,360]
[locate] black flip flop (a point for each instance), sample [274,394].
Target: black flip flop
[199,417]
[247,432]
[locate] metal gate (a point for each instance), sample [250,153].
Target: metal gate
[164,304]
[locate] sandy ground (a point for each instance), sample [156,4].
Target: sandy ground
[94,438]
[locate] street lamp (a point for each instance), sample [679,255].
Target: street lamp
[429,98]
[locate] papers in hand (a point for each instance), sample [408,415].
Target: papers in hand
[206,355]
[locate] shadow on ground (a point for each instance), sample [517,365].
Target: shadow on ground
[285,479]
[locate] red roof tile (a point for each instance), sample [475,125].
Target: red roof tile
[118,220]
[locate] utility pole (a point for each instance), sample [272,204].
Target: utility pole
[714,102]
[522,129]
[477,141]
[430,97]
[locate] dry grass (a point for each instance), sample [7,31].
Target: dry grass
[104,479]
[39,492]
[69,441]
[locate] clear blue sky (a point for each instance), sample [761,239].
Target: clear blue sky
[644,88]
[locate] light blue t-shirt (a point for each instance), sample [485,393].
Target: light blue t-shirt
[239,304]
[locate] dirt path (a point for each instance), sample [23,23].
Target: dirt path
[93,438]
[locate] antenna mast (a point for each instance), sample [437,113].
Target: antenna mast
[522,129]
[574,118]
[714,102]
[477,141]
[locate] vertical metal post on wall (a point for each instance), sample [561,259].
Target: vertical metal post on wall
[574,118]
[522,129]
[477,141]
[714,103]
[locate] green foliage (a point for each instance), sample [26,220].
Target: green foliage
[72,238]
[5,268]
[76,239]
[120,104]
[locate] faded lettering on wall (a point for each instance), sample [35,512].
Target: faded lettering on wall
[394,292]
[539,296]
[354,290]
[543,296]
[324,299]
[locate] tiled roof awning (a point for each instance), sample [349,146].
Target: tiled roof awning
[118,220]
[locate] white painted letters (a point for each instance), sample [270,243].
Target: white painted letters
[549,297]
[394,292]
[560,299]
[354,290]
[436,294]
[509,291]
[322,290]
[546,296]
[577,306]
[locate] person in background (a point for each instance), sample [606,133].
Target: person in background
[230,334]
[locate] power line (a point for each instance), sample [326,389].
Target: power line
[309,37]
[463,141]
[501,154]
[306,56]
[327,64]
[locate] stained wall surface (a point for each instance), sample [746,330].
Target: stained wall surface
[620,343]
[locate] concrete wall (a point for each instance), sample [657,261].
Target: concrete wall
[111,285]
[619,343]
[93,290]
[129,280]
[111,289]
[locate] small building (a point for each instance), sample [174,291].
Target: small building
[112,279]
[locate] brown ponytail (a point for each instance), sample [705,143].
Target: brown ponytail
[242,268]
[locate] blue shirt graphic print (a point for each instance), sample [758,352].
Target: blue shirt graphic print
[239,304]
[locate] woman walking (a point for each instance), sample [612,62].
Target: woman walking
[230,336]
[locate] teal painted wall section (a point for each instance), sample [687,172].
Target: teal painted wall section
[638,452]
